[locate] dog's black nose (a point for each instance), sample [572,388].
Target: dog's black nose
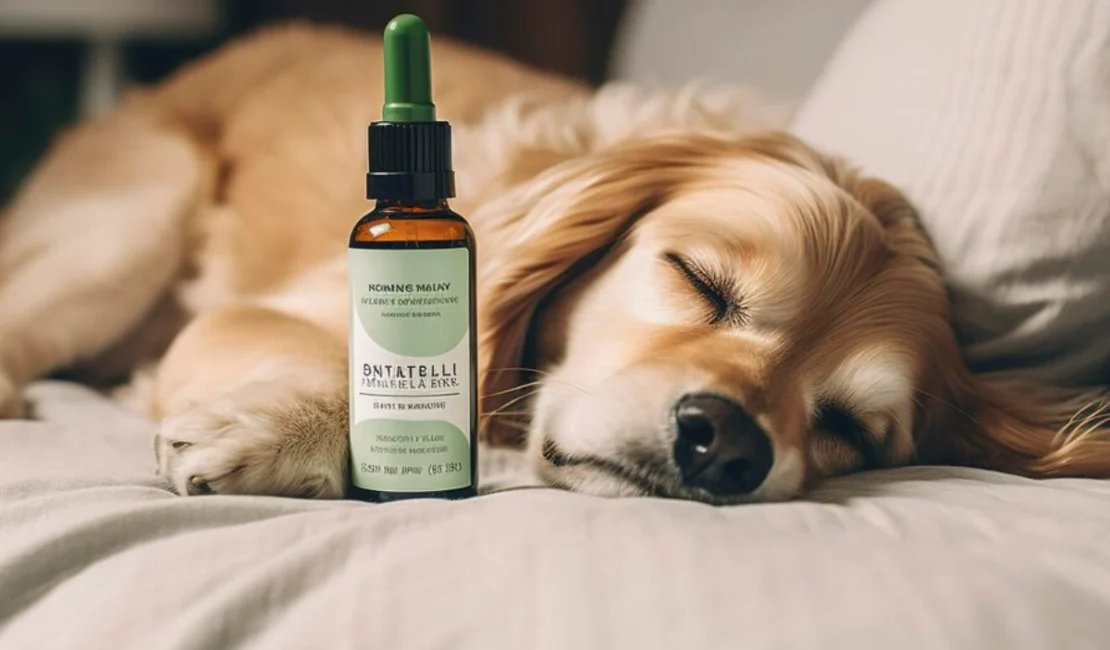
[719,447]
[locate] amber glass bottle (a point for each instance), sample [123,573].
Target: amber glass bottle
[411,261]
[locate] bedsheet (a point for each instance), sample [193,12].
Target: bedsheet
[95,552]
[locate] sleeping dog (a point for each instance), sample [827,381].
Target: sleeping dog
[675,298]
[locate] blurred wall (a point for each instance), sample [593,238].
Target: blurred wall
[569,36]
[40,74]
[777,46]
[38,92]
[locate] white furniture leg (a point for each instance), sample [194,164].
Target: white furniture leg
[103,76]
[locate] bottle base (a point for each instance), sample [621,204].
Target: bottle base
[374,496]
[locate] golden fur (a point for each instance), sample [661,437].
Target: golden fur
[208,216]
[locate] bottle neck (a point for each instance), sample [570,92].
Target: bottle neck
[411,207]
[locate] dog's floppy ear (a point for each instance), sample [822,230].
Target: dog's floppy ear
[1015,425]
[548,230]
[990,421]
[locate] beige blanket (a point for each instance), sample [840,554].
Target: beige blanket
[96,553]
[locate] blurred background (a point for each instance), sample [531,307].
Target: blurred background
[62,59]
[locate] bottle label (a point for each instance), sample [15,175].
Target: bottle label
[411,407]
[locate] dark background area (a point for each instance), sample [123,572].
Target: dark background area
[39,79]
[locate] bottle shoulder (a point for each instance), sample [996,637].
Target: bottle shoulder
[393,226]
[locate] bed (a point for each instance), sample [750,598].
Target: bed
[95,552]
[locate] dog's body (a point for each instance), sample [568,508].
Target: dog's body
[710,315]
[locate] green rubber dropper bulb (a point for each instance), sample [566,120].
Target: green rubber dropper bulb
[408,71]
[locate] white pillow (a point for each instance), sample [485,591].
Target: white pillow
[994,116]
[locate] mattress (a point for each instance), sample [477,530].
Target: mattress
[96,552]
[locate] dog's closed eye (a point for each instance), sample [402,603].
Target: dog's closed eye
[838,421]
[727,309]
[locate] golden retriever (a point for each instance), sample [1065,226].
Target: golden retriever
[674,299]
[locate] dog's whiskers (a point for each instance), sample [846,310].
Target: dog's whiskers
[950,405]
[547,376]
[514,424]
[530,384]
[547,383]
[1094,416]
[520,369]
[506,405]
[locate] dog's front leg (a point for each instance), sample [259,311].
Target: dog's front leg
[254,401]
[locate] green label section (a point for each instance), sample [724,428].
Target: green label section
[414,303]
[409,456]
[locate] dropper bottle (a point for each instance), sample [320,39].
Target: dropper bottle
[413,354]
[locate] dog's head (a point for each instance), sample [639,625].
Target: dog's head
[716,318]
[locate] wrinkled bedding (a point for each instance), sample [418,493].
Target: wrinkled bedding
[95,552]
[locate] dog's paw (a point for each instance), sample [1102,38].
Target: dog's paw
[12,405]
[262,440]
